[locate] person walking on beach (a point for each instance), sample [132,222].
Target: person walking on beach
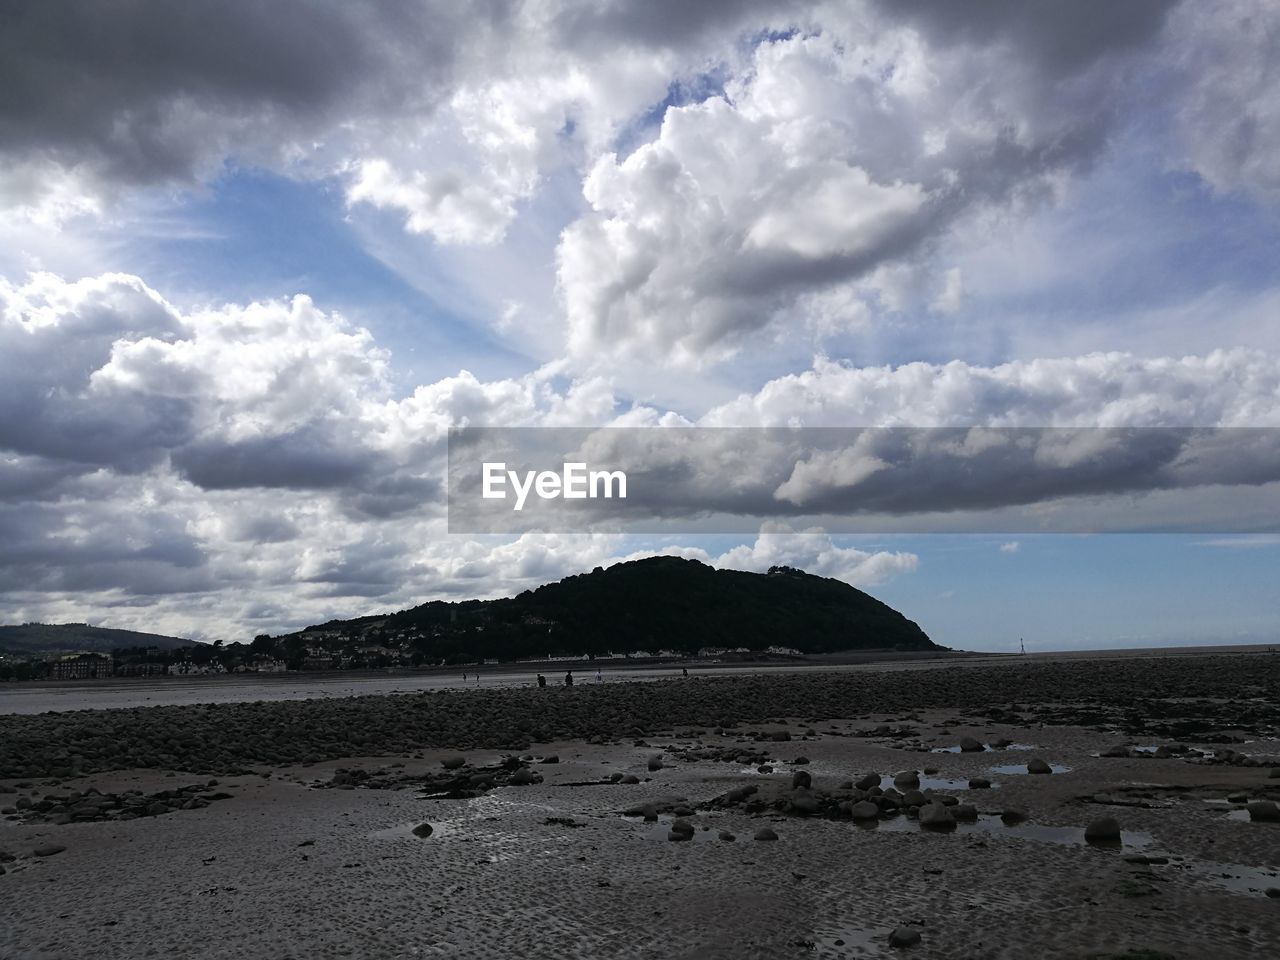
[598,677]
[542,681]
[686,671]
[568,678]
[464,678]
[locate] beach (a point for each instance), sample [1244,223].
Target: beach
[558,819]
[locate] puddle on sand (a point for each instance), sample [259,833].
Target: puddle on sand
[1026,830]
[848,941]
[1233,876]
[991,748]
[660,830]
[1021,768]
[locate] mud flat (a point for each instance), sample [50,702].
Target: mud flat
[621,820]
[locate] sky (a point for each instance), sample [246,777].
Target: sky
[256,261]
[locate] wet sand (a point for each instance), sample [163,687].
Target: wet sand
[299,863]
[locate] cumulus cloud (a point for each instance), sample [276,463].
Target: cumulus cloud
[1225,388]
[834,153]
[175,464]
[812,550]
[1227,103]
[746,167]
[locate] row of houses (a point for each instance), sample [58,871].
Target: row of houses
[98,666]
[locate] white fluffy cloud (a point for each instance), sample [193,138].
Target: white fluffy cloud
[249,466]
[1227,388]
[831,156]
[752,174]
[813,551]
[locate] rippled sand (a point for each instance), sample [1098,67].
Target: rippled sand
[286,870]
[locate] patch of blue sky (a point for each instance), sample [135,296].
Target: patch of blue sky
[1063,592]
[254,235]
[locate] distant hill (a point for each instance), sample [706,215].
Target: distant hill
[77,637]
[666,603]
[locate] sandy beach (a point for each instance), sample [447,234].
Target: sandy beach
[314,854]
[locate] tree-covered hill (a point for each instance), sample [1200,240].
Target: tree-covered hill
[658,603]
[76,637]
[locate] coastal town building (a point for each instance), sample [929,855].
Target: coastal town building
[81,666]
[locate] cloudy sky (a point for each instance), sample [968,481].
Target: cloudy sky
[257,259]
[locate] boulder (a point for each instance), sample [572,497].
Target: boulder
[766,833]
[1038,766]
[904,937]
[864,810]
[801,779]
[1013,816]
[970,745]
[1105,830]
[423,830]
[907,780]
[965,811]
[804,803]
[937,816]
[655,762]
[869,781]
[979,783]
[1263,810]
[455,762]
[48,850]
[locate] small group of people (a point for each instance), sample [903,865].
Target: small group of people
[568,678]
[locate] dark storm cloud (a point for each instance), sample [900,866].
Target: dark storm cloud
[662,23]
[394,494]
[34,478]
[306,459]
[142,90]
[744,476]
[95,547]
[1058,35]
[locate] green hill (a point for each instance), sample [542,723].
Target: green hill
[666,603]
[78,637]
